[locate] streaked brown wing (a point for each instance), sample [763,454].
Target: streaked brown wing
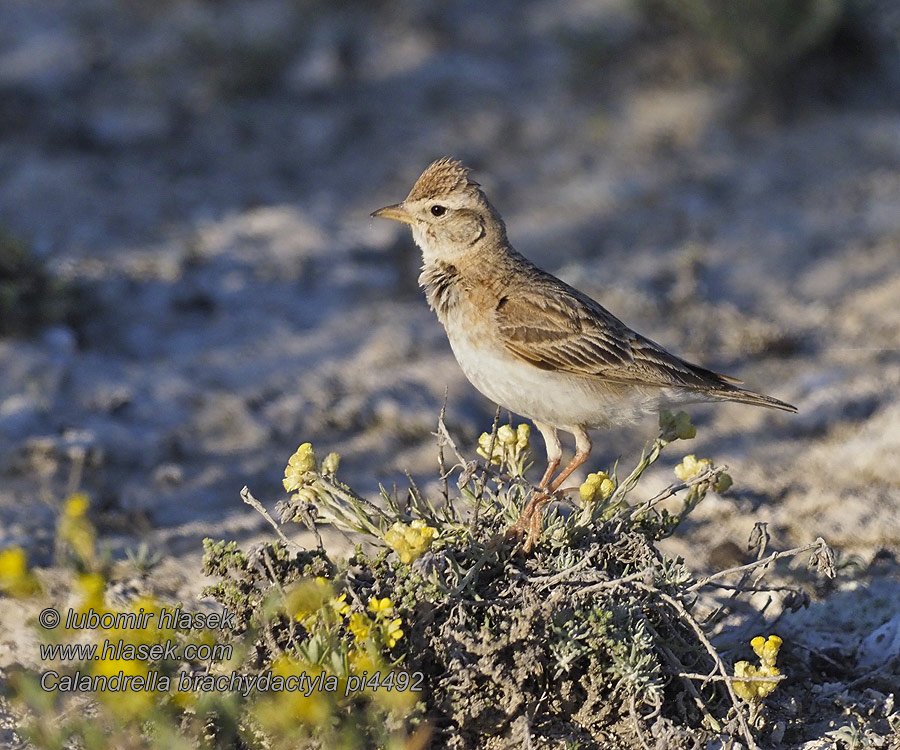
[556,327]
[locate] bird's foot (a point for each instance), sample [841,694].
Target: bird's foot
[530,522]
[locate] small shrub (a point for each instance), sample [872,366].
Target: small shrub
[763,36]
[29,296]
[435,632]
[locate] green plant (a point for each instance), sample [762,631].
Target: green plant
[29,295]
[596,617]
[435,630]
[763,35]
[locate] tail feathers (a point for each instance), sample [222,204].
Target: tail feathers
[750,397]
[721,387]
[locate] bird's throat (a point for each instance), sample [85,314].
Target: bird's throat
[441,282]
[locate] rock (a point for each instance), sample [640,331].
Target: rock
[129,125]
[44,63]
[880,646]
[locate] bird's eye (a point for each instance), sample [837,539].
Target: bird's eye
[438,210]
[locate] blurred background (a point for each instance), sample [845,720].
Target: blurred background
[191,285]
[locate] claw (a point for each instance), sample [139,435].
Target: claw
[530,523]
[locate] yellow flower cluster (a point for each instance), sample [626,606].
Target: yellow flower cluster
[305,600]
[15,578]
[391,630]
[691,467]
[596,487]
[509,445]
[410,541]
[282,710]
[127,703]
[752,690]
[92,590]
[676,426]
[301,468]
[75,531]
[361,661]
[361,626]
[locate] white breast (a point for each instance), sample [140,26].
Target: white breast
[558,399]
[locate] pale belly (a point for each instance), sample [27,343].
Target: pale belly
[557,399]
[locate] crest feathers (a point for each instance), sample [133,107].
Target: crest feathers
[442,177]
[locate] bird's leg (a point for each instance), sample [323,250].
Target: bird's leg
[533,512]
[531,517]
[554,451]
[583,447]
[551,470]
[554,456]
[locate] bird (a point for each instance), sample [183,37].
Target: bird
[532,343]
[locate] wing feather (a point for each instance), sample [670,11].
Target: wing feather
[555,327]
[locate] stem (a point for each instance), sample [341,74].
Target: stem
[711,650]
[257,506]
[818,544]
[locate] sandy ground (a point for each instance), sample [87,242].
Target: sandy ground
[204,173]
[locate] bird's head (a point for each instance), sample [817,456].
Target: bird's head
[449,215]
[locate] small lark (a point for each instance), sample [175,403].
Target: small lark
[530,342]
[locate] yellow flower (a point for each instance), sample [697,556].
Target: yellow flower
[411,541]
[723,482]
[506,435]
[331,463]
[301,468]
[484,444]
[283,710]
[93,590]
[691,467]
[125,703]
[361,661]
[523,437]
[509,446]
[287,666]
[767,649]
[13,563]
[751,690]
[76,505]
[339,605]
[676,426]
[377,606]
[596,486]
[360,626]
[15,579]
[305,598]
[394,632]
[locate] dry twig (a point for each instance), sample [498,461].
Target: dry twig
[711,650]
[819,545]
[257,506]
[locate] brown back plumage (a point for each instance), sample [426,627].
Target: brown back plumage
[552,326]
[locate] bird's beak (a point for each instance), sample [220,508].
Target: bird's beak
[397,212]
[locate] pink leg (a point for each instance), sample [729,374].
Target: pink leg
[554,451]
[531,517]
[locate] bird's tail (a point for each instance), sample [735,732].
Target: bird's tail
[733,393]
